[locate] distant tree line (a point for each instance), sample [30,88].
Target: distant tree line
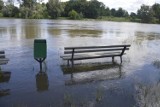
[75,9]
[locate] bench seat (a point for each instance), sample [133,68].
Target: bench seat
[3,61]
[92,52]
[90,56]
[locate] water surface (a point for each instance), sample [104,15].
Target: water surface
[133,83]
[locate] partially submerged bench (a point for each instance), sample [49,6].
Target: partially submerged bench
[92,52]
[3,59]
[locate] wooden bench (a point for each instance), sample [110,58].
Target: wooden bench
[3,59]
[92,52]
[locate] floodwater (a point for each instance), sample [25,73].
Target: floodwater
[134,83]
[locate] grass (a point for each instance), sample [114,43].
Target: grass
[116,19]
[104,18]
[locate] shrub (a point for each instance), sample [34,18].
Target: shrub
[74,15]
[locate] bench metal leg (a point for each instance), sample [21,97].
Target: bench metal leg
[121,58]
[67,62]
[72,63]
[112,59]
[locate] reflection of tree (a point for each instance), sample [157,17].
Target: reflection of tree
[42,81]
[30,31]
[54,32]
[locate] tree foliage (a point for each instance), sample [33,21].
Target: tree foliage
[75,9]
[74,15]
[10,11]
[145,13]
[1,4]
[156,10]
[54,8]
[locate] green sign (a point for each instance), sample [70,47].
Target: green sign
[40,48]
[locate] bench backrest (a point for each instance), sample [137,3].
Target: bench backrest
[87,49]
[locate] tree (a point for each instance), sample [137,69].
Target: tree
[113,12]
[156,10]
[40,11]
[10,11]
[121,13]
[133,15]
[27,8]
[107,11]
[1,7]
[145,13]
[54,8]
[74,15]
[77,5]
[1,4]
[93,9]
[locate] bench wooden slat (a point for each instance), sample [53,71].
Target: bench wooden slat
[87,47]
[89,56]
[3,61]
[2,56]
[91,52]
[98,50]
[95,57]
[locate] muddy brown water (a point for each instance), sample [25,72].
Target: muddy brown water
[134,83]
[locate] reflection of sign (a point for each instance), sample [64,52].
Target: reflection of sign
[42,81]
[4,92]
[89,73]
[5,76]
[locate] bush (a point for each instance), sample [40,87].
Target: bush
[1,14]
[74,15]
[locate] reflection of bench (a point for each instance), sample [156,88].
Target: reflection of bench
[81,74]
[91,52]
[3,59]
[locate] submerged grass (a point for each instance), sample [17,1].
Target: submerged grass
[116,19]
[84,32]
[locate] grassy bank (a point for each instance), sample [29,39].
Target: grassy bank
[116,19]
[102,18]
[106,18]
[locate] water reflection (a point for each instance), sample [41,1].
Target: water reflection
[156,64]
[54,32]
[92,72]
[142,36]
[4,77]
[84,33]
[42,81]
[30,32]
[16,36]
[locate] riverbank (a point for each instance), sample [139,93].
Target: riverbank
[102,18]
[107,18]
